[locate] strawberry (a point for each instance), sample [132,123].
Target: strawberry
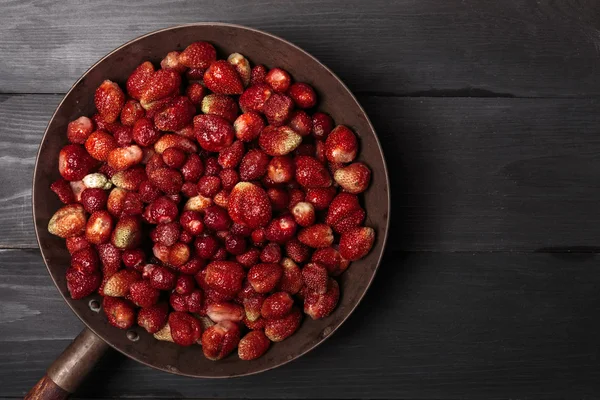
[297,251]
[271,253]
[331,259]
[212,166]
[291,280]
[341,145]
[99,144]
[278,109]
[356,243]
[77,187]
[278,79]
[258,237]
[109,100]
[198,55]
[110,257]
[174,157]
[96,181]
[130,179]
[278,141]
[134,258]
[79,130]
[255,98]
[76,243]
[281,169]
[176,116]
[164,333]
[258,325]
[197,203]
[144,133]
[315,277]
[85,261]
[304,95]
[68,221]
[277,306]
[162,83]
[116,201]
[279,198]
[154,107]
[208,186]
[310,173]
[119,312]
[138,79]
[249,205]
[127,233]
[219,340]
[320,305]
[320,151]
[281,229]
[82,285]
[162,278]
[168,180]
[248,126]
[171,61]
[123,135]
[192,266]
[102,125]
[214,133]
[225,312]
[143,294]
[185,284]
[94,200]
[74,162]
[221,105]
[122,158]
[242,66]
[119,283]
[154,317]
[354,178]
[193,168]
[301,123]
[231,156]
[170,140]
[264,277]
[235,244]
[254,165]
[222,78]
[296,196]
[166,234]
[195,74]
[225,276]
[322,125]
[279,329]
[179,254]
[316,236]
[196,92]
[253,345]
[249,258]
[320,198]
[185,329]
[99,227]
[161,252]
[229,178]
[304,213]
[216,218]
[344,213]
[63,190]
[252,306]
[191,221]
[258,74]
[131,112]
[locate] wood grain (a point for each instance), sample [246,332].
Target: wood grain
[434,325]
[467,174]
[407,47]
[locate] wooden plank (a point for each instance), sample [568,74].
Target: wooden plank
[408,47]
[467,174]
[434,325]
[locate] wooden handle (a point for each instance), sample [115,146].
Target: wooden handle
[70,368]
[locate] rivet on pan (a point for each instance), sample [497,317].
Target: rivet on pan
[133,336]
[94,305]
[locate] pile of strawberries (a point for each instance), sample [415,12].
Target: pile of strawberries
[204,202]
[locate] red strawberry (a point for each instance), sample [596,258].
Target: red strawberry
[253,165]
[253,345]
[63,190]
[311,173]
[249,205]
[281,229]
[123,135]
[79,130]
[116,201]
[192,266]
[154,317]
[124,157]
[219,340]
[166,234]
[249,258]
[177,115]
[185,329]
[277,306]
[316,236]
[191,221]
[198,55]
[354,178]
[301,123]
[170,140]
[99,145]
[216,218]
[297,251]
[162,278]
[229,178]
[143,294]
[252,307]
[109,100]
[320,151]
[278,79]
[154,107]
[196,92]
[171,61]
[279,329]
[341,145]
[174,157]
[99,227]
[206,246]
[344,213]
[331,259]
[320,198]
[258,325]
[77,187]
[225,276]
[68,221]
[303,95]
[255,98]
[80,285]
[281,169]
[278,141]
[278,109]
[258,74]
[356,243]
[130,179]
[322,125]
[321,305]
[185,284]
[102,125]
[134,258]
[119,312]
[179,254]
[144,133]
[214,133]
[291,280]
[296,195]
[222,78]
[248,126]
[264,277]
[94,199]
[279,198]
[168,180]
[315,277]
[138,79]
[110,257]
[192,169]
[85,261]
[231,156]
[127,233]
[131,112]
[304,213]
[221,105]
[162,83]
[119,283]
[74,162]
[258,237]
[195,74]
[235,244]
[209,185]
[271,253]
[225,312]
[76,243]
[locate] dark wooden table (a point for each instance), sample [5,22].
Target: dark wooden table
[489,114]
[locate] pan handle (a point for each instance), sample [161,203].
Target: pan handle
[70,368]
